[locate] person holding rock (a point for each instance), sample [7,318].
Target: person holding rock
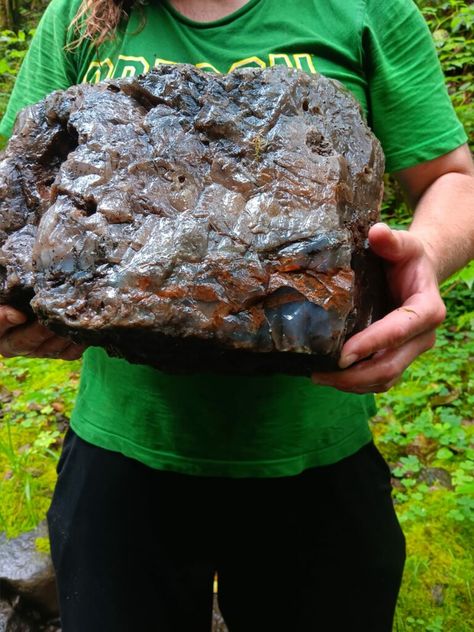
[274,481]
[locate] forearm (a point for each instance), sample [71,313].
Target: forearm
[442,193]
[444,221]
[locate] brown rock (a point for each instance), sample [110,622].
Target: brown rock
[196,222]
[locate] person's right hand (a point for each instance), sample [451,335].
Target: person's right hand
[19,338]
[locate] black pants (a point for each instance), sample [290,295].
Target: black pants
[135,549]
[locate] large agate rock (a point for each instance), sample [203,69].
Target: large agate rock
[196,222]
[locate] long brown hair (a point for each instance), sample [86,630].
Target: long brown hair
[98,20]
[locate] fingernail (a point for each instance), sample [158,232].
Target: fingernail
[15,318]
[346,361]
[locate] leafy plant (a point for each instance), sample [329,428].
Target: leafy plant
[425,430]
[452,25]
[13,47]
[36,398]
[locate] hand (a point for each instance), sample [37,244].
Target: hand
[18,338]
[374,359]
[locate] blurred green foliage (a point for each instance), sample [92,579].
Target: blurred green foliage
[452,26]
[15,35]
[13,47]
[36,398]
[424,426]
[425,429]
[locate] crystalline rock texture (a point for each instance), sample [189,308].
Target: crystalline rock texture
[196,222]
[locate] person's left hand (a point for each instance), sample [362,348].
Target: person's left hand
[374,359]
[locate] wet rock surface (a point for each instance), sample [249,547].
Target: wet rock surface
[196,222]
[28,600]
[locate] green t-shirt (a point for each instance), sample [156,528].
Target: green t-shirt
[248,426]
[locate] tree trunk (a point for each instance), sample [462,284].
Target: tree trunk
[8,14]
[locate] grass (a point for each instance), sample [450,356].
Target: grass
[425,429]
[35,401]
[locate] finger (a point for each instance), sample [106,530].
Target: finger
[10,317]
[53,347]
[394,245]
[381,371]
[416,316]
[24,340]
[60,348]
[72,352]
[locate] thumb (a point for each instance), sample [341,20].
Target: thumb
[10,317]
[394,245]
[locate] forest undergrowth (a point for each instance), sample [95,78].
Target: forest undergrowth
[424,425]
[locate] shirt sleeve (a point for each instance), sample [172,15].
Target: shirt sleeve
[47,66]
[411,112]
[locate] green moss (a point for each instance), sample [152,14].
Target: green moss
[437,588]
[42,545]
[36,398]
[424,429]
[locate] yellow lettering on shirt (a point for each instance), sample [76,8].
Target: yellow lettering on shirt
[99,70]
[129,66]
[248,62]
[159,61]
[279,59]
[305,62]
[204,65]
